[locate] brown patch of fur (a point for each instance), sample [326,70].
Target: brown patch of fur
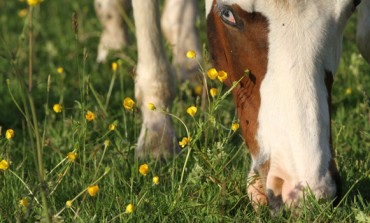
[235,49]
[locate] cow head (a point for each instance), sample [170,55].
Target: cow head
[285,52]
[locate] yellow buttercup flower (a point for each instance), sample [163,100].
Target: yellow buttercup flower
[60,70]
[93,190]
[9,134]
[72,156]
[22,13]
[33,2]
[151,106]
[235,126]
[106,142]
[156,180]
[130,208]
[198,89]
[57,108]
[191,54]
[128,103]
[23,202]
[213,92]
[114,66]
[191,111]
[69,204]
[112,127]
[4,165]
[184,141]
[212,73]
[222,75]
[90,116]
[348,91]
[144,169]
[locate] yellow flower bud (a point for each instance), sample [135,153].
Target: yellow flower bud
[156,180]
[128,103]
[130,208]
[60,70]
[144,169]
[348,91]
[72,156]
[114,66]
[212,73]
[9,134]
[198,90]
[213,92]
[191,111]
[106,142]
[184,141]
[90,116]
[151,106]
[69,204]
[112,127]
[222,75]
[57,108]
[235,126]
[93,190]
[23,202]
[33,2]
[191,54]
[4,165]
[22,13]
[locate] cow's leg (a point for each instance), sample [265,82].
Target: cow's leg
[178,25]
[154,82]
[363,29]
[114,35]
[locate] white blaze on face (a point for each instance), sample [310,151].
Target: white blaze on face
[305,39]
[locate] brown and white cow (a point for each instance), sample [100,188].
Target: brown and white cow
[291,49]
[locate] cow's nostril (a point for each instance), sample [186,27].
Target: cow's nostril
[275,202]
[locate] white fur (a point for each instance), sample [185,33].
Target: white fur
[178,24]
[208,6]
[114,35]
[154,82]
[363,29]
[304,40]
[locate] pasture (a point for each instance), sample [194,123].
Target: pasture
[51,166]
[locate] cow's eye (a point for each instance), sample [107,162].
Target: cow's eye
[228,16]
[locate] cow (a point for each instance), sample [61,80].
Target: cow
[281,57]
[291,50]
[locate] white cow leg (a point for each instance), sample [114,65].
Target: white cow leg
[114,35]
[178,25]
[154,82]
[363,29]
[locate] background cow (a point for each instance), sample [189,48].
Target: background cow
[155,77]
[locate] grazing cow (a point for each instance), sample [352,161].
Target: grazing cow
[291,49]
[284,52]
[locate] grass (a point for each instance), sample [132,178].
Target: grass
[214,182]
